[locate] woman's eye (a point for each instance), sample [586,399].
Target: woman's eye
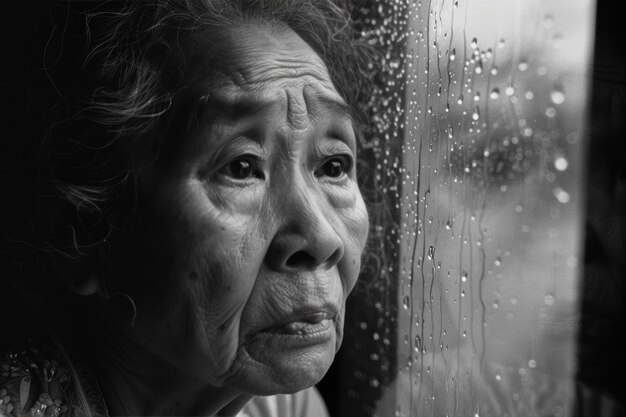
[242,169]
[334,167]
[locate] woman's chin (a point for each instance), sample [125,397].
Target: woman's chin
[273,362]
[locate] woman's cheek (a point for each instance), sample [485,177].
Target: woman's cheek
[341,196]
[348,204]
[243,200]
[354,226]
[219,288]
[354,217]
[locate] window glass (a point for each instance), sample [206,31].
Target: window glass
[468,304]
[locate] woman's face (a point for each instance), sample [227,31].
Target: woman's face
[256,223]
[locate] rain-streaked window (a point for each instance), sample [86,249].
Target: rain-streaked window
[469,299]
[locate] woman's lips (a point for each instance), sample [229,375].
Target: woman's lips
[304,327]
[311,323]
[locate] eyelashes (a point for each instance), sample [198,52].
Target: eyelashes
[336,166]
[243,168]
[248,168]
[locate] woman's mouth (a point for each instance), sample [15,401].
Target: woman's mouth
[312,324]
[309,324]
[302,329]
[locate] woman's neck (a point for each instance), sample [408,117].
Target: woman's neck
[135,381]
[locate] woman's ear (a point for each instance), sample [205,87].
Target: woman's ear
[79,275]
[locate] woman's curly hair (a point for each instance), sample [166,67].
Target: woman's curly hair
[115,71]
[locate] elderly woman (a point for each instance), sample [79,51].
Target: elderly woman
[199,213]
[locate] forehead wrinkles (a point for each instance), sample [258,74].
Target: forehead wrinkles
[297,108]
[278,70]
[296,76]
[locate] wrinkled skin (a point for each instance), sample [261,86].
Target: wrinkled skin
[255,225]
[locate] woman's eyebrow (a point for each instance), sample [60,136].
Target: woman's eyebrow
[231,107]
[203,110]
[339,107]
[211,105]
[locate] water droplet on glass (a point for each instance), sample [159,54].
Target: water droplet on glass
[509,91]
[474,43]
[557,41]
[406,302]
[477,96]
[460,100]
[494,70]
[548,21]
[464,277]
[431,252]
[495,304]
[561,195]
[479,68]
[495,93]
[522,66]
[572,261]
[550,112]
[549,299]
[476,114]
[557,97]
[514,301]
[560,163]
[501,43]
[532,364]
[498,261]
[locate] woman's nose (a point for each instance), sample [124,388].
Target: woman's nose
[306,239]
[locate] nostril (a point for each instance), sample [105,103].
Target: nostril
[300,259]
[335,257]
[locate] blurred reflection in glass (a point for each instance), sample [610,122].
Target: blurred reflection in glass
[491,208]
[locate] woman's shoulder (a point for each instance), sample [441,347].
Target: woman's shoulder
[305,403]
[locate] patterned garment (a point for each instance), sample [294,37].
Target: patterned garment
[42,382]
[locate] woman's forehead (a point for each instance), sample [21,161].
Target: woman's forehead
[255,70]
[252,57]
[299,103]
